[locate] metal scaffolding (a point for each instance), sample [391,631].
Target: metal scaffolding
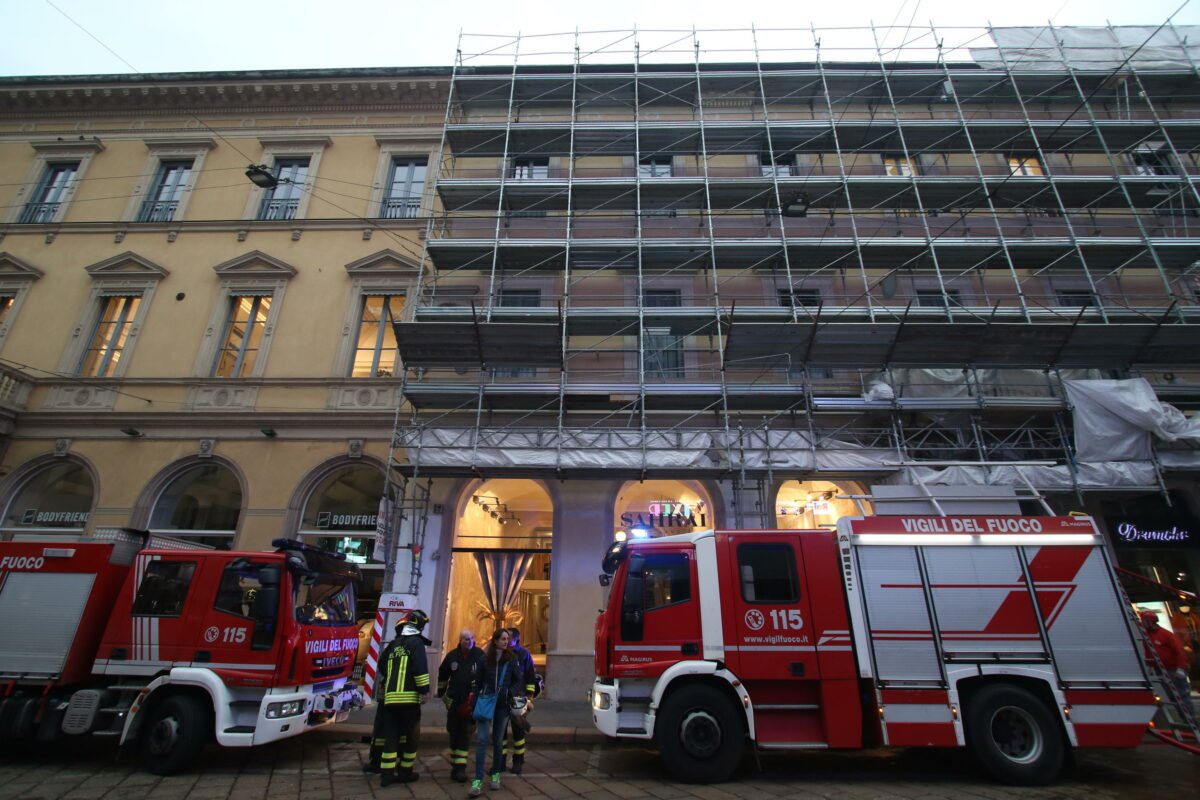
[840,243]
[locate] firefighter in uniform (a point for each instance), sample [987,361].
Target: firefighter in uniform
[459,671]
[529,677]
[402,687]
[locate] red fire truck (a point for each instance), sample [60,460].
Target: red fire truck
[165,647]
[1003,634]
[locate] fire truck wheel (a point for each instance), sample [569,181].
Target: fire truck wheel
[174,733]
[1014,736]
[700,735]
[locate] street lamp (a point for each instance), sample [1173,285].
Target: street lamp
[262,177]
[796,207]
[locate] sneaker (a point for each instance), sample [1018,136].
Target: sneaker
[495,784]
[476,788]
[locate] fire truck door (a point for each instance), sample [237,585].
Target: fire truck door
[768,632]
[660,613]
[238,626]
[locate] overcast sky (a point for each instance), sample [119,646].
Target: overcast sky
[36,38]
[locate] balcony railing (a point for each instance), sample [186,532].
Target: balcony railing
[35,213]
[400,208]
[158,211]
[282,208]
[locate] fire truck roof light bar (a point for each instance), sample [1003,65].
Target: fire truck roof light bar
[996,539]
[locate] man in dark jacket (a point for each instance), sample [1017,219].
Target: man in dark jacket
[402,687]
[520,728]
[458,672]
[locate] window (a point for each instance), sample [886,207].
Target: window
[56,498]
[768,573]
[202,503]
[1075,298]
[799,297]
[1024,166]
[937,298]
[520,298]
[51,191]
[283,201]
[529,169]
[900,166]
[663,354]
[661,298]
[109,336]
[406,182]
[777,166]
[239,588]
[326,601]
[168,187]
[375,353]
[6,304]
[666,580]
[246,319]
[163,589]
[655,167]
[1153,160]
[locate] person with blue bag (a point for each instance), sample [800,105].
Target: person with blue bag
[500,680]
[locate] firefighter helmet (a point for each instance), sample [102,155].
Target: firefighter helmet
[416,618]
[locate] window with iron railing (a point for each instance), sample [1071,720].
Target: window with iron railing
[283,201]
[655,167]
[51,191]
[529,169]
[406,182]
[169,185]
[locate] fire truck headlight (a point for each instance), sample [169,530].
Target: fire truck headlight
[601,701]
[288,709]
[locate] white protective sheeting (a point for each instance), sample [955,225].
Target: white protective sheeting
[1038,48]
[1115,418]
[1050,478]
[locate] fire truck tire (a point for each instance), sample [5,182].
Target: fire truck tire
[1014,736]
[173,734]
[700,734]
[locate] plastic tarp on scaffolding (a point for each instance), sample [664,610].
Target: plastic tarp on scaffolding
[1114,420]
[1038,48]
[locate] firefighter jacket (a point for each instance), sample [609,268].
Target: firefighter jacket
[403,671]
[525,667]
[459,671]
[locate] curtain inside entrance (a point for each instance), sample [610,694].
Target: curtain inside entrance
[501,575]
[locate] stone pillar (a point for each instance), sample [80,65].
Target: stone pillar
[583,529]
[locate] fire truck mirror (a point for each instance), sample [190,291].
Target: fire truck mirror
[605,580]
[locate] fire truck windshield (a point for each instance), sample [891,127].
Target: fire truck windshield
[327,600]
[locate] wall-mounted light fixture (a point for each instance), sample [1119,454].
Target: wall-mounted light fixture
[268,432]
[131,432]
[796,207]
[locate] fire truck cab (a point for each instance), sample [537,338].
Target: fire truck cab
[1004,634]
[169,646]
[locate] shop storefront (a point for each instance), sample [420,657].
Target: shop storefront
[54,499]
[1160,543]
[202,503]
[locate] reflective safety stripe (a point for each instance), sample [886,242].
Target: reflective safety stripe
[406,761]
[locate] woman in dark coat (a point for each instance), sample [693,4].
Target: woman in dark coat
[501,674]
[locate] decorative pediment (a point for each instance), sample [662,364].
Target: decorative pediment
[126,265]
[13,267]
[385,263]
[255,264]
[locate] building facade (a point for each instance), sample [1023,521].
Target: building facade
[577,288]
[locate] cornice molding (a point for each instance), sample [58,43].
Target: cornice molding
[65,146]
[125,265]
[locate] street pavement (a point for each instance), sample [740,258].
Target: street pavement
[327,765]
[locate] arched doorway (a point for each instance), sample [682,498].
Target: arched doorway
[807,505]
[202,503]
[500,573]
[649,509]
[54,499]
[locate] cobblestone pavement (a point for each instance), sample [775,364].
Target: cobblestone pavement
[316,767]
